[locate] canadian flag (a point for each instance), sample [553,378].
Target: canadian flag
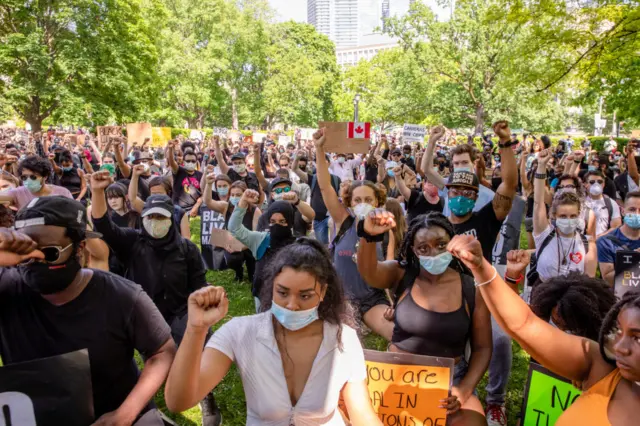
[359,130]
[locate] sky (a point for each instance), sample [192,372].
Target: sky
[290,9]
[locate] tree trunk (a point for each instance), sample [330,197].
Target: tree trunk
[35,123]
[200,121]
[234,108]
[479,119]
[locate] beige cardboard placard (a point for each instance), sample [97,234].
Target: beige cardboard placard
[337,140]
[105,131]
[223,238]
[138,132]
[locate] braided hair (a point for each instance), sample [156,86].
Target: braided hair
[631,299]
[406,257]
[581,301]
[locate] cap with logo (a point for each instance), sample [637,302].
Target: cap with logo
[55,210]
[158,204]
[464,179]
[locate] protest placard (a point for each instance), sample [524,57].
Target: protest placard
[627,270]
[223,238]
[235,136]
[257,137]
[406,389]
[196,134]
[307,134]
[105,131]
[338,140]
[546,397]
[138,132]
[413,133]
[47,392]
[284,140]
[210,220]
[160,136]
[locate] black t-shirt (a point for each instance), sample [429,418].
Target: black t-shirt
[251,180]
[110,318]
[485,226]
[186,188]
[418,205]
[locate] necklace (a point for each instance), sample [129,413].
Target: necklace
[562,252]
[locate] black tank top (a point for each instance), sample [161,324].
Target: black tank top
[71,181]
[423,332]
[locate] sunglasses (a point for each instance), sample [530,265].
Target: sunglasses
[593,182]
[567,187]
[25,177]
[281,190]
[51,253]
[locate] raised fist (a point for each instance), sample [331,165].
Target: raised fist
[207,307]
[501,128]
[379,221]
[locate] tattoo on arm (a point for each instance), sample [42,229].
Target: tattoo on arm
[502,203]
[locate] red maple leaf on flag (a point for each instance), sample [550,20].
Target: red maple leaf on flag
[359,129]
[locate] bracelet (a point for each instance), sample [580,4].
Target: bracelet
[368,237]
[577,161]
[512,280]
[296,203]
[507,144]
[540,175]
[495,274]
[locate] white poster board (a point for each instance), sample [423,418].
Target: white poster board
[284,140]
[413,133]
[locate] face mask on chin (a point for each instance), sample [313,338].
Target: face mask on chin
[46,278]
[293,320]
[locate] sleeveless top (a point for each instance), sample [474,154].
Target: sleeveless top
[590,409]
[71,180]
[423,332]
[344,259]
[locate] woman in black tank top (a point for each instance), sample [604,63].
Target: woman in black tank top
[437,310]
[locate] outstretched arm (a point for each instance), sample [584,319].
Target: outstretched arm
[540,219]
[337,210]
[427,160]
[507,190]
[224,167]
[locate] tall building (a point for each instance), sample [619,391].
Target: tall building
[319,14]
[345,29]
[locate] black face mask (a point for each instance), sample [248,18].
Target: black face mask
[302,167]
[280,232]
[495,182]
[46,278]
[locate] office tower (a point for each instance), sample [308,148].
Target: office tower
[319,15]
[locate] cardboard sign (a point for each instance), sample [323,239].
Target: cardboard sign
[223,238]
[413,133]
[160,136]
[627,268]
[235,136]
[338,142]
[284,140]
[257,137]
[138,132]
[406,389]
[196,134]
[105,131]
[47,392]
[307,134]
[546,397]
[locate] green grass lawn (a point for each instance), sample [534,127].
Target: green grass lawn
[229,393]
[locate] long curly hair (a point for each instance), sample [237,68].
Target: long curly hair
[407,257]
[630,300]
[312,257]
[381,196]
[581,302]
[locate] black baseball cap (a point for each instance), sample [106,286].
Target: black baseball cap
[238,156]
[277,181]
[158,204]
[140,156]
[55,210]
[396,151]
[465,179]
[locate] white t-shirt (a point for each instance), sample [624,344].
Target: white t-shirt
[602,214]
[250,343]
[560,256]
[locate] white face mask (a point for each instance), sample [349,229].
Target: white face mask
[146,167]
[363,209]
[595,190]
[240,168]
[190,166]
[567,226]
[157,228]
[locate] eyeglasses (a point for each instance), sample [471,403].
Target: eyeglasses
[467,193]
[25,177]
[281,190]
[593,182]
[51,253]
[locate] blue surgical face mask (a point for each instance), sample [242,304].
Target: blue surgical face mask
[294,320]
[592,168]
[632,220]
[436,265]
[461,206]
[223,191]
[67,169]
[234,200]
[463,169]
[390,173]
[33,185]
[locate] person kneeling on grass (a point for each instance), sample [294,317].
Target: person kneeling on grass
[301,341]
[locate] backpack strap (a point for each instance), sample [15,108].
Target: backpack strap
[617,241]
[609,206]
[344,227]
[546,241]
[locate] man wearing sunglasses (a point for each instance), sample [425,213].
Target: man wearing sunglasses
[606,210]
[50,305]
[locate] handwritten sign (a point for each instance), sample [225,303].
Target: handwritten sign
[406,389]
[307,134]
[627,268]
[105,131]
[47,392]
[196,134]
[284,140]
[546,397]
[413,133]
[210,220]
[338,142]
[138,132]
[160,136]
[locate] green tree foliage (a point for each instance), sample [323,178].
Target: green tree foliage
[57,51]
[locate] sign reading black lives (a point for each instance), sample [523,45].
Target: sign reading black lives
[627,267]
[47,392]
[212,256]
